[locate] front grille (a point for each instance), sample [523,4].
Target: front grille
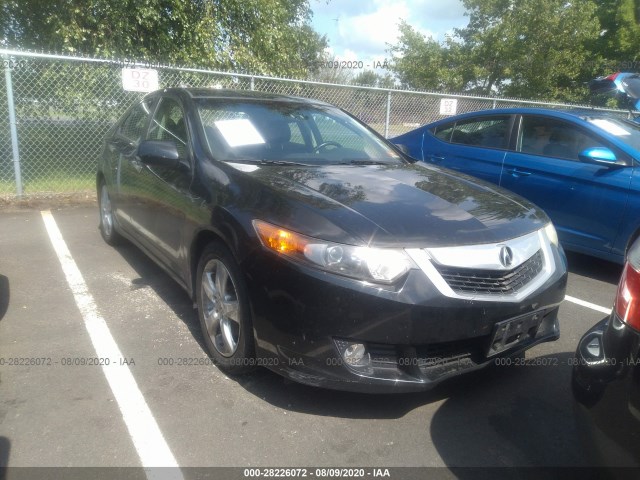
[492,282]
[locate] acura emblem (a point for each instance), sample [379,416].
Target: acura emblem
[506,256]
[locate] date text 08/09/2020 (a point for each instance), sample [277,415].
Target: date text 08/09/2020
[354,64]
[316,472]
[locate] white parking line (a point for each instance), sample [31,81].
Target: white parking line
[143,429]
[590,305]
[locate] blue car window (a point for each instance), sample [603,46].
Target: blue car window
[490,132]
[554,138]
[443,132]
[624,130]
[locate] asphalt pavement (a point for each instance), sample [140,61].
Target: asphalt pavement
[58,406]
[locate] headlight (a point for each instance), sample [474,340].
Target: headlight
[379,265]
[551,233]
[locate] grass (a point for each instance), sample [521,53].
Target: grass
[51,184]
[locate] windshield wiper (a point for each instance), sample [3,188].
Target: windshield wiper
[256,161]
[362,162]
[283,162]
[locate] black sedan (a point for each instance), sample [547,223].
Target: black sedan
[606,378]
[315,248]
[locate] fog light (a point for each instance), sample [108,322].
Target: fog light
[353,354]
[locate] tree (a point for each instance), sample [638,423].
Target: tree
[521,48]
[617,49]
[533,48]
[369,78]
[423,63]
[258,36]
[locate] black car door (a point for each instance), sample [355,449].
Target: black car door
[163,194]
[121,149]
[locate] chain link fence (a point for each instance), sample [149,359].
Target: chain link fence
[63,107]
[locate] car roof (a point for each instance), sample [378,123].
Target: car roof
[221,93]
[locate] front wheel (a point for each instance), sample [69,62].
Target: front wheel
[107,224]
[223,310]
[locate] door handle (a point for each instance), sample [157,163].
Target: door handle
[517,173]
[435,158]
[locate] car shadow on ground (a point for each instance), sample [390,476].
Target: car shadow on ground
[594,268]
[518,416]
[152,276]
[502,416]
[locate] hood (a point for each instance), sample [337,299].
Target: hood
[409,205]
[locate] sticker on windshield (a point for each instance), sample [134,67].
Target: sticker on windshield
[610,127]
[239,132]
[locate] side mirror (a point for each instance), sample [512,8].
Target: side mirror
[598,156]
[159,153]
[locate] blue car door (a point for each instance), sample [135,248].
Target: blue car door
[586,202]
[475,146]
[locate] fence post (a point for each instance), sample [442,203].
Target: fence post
[495,103]
[13,128]
[386,122]
[253,87]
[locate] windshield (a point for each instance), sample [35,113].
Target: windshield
[624,130]
[288,132]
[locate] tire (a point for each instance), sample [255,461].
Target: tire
[107,224]
[223,311]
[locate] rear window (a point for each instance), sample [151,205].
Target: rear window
[485,131]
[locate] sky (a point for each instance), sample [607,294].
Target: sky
[359,30]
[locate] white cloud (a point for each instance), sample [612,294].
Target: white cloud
[362,31]
[372,32]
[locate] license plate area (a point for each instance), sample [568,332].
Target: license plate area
[509,333]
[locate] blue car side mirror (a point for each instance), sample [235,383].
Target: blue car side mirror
[598,155]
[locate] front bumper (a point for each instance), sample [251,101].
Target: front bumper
[414,335]
[606,390]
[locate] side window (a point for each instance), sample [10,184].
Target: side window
[490,132]
[296,134]
[443,132]
[553,138]
[169,124]
[133,125]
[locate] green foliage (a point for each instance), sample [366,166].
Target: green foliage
[533,48]
[540,49]
[369,78]
[258,36]
[618,48]
[425,64]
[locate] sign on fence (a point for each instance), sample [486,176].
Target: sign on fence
[139,79]
[448,106]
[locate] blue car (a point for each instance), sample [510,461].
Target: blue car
[581,167]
